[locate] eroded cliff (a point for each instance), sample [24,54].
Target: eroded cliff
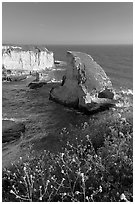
[32,58]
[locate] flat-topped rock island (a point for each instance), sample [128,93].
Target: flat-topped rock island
[85,85]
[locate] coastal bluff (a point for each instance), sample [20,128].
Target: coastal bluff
[27,58]
[85,85]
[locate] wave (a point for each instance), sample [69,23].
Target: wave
[124,98]
[54,81]
[58,69]
[125,91]
[15,119]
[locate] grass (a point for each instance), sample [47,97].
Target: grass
[80,173]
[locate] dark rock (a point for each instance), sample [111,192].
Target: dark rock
[85,85]
[106,94]
[9,71]
[35,85]
[4,78]
[63,80]
[11,130]
[11,77]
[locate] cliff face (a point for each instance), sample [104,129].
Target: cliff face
[85,86]
[16,58]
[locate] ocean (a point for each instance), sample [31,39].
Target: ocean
[48,124]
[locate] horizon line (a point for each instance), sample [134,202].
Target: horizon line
[68,44]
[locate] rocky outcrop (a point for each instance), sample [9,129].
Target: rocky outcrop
[85,85]
[11,130]
[26,58]
[14,77]
[35,85]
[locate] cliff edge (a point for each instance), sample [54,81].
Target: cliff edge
[29,58]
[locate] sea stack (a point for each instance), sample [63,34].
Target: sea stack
[85,85]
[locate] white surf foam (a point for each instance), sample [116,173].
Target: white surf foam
[15,119]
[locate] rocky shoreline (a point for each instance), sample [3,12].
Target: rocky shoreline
[11,131]
[84,87]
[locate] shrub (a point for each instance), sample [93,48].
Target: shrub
[79,173]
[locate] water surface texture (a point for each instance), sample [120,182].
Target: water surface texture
[45,120]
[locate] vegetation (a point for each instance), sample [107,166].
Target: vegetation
[79,173]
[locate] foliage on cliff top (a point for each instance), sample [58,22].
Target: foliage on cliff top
[79,173]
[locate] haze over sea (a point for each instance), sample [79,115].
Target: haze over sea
[48,124]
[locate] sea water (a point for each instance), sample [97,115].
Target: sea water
[48,124]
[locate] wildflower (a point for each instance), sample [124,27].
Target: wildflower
[82,175]
[53,178]
[77,192]
[90,168]
[73,160]
[123,197]
[11,191]
[113,109]
[125,157]
[119,115]
[40,198]
[62,171]
[62,154]
[47,182]
[100,189]
[85,125]
[121,134]
[6,170]
[123,119]
[87,198]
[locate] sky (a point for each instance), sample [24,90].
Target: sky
[67,22]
